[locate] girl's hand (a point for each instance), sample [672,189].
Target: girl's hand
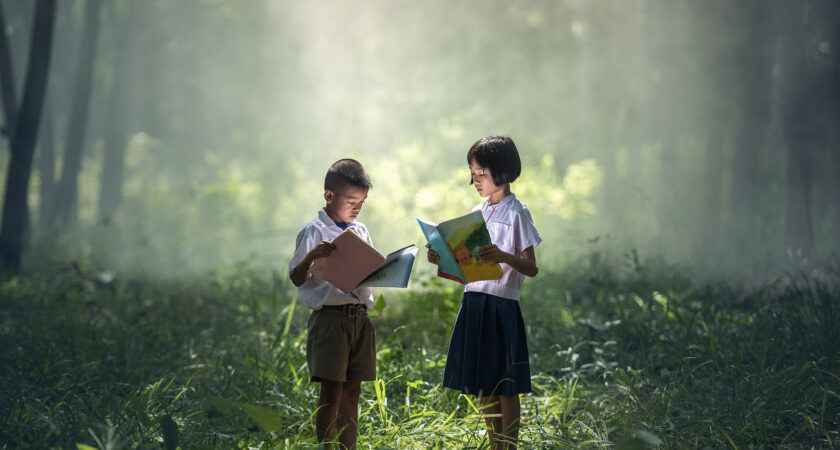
[432,255]
[323,249]
[491,253]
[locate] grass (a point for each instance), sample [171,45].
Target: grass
[635,359]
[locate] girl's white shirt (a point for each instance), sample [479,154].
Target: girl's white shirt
[512,229]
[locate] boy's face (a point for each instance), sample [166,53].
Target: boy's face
[345,202]
[483,180]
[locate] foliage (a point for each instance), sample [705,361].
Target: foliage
[657,122]
[632,358]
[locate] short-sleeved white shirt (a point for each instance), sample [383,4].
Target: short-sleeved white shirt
[315,291]
[512,229]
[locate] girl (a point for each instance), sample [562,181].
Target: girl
[488,354]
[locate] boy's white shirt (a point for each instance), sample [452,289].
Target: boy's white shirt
[512,229]
[315,291]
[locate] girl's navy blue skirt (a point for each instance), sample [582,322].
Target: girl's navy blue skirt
[488,353]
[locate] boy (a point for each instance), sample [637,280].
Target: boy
[340,341]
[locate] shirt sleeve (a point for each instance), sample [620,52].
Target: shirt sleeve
[525,231]
[306,240]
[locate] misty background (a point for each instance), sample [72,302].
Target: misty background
[181,137]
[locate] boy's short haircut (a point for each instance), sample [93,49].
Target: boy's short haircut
[346,171]
[499,154]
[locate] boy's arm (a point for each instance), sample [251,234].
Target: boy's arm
[526,264]
[300,274]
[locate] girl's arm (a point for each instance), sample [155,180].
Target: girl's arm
[526,264]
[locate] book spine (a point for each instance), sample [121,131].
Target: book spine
[459,277]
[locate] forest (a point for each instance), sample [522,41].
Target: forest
[680,158]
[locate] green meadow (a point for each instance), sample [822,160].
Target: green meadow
[633,358]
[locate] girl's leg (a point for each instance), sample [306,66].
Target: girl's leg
[327,409]
[492,417]
[510,420]
[348,414]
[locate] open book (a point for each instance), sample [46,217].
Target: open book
[354,264]
[457,242]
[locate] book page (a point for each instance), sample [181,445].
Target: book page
[464,236]
[447,266]
[351,261]
[395,271]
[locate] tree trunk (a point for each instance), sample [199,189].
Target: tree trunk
[798,134]
[745,217]
[15,208]
[115,139]
[65,203]
[834,138]
[799,231]
[716,117]
[713,158]
[46,163]
[7,78]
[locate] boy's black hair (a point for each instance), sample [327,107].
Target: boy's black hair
[499,154]
[346,171]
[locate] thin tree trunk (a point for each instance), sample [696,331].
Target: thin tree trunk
[15,208]
[712,194]
[46,163]
[7,77]
[115,139]
[66,200]
[717,115]
[834,138]
[745,210]
[799,231]
[799,135]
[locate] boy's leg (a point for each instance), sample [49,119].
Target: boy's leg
[348,414]
[328,403]
[361,366]
[510,420]
[326,340]
[492,417]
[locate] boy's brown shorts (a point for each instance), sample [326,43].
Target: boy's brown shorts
[340,346]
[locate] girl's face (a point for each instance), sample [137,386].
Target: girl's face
[345,203]
[483,180]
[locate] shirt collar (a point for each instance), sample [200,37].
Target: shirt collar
[504,201]
[327,220]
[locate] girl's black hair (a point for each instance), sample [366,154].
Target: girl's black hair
[499,154]
[346,171]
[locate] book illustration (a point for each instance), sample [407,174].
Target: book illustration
[354,264]
[457,242]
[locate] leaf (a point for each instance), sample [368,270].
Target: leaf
[380,304]
[84,447]
[170,432]
[267,419]
[646,436]
[639,440]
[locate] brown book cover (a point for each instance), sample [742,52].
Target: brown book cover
[354,261]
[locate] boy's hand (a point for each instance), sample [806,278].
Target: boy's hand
[301,273]
[432,255]
[491,253]
[323,249]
